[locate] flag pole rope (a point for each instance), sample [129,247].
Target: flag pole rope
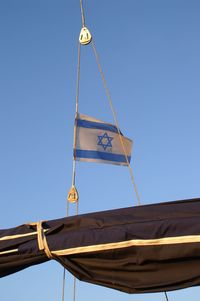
[75,134]
[166,296]
[75,129]
[74,161]
[63,285]
[76,114]
[74,145]
[82,14]
[115,120]
[64,271]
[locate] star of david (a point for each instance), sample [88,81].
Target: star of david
[105,141]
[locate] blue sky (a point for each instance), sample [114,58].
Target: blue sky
[149,52]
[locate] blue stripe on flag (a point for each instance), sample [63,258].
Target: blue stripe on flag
[89,154]
[97,125]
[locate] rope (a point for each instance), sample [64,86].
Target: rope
[63,285]
[115,120]
[76,114]
[75,128]
[82,14]
[166,296]
[64,271]
[74,148]
[42,241]
[74,291]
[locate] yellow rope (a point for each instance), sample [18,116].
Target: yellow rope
[115,120]
[42,241]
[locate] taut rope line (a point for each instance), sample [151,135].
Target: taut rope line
[115,120]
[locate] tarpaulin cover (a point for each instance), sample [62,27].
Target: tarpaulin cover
[149,248]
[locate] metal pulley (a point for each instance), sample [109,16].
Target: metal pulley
[73,195]
[85,36]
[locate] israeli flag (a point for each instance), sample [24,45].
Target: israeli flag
[97,141]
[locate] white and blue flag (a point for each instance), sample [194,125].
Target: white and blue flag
[97,141]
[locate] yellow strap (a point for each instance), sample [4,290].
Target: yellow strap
[42,241]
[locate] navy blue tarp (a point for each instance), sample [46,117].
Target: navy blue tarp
[141,249]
